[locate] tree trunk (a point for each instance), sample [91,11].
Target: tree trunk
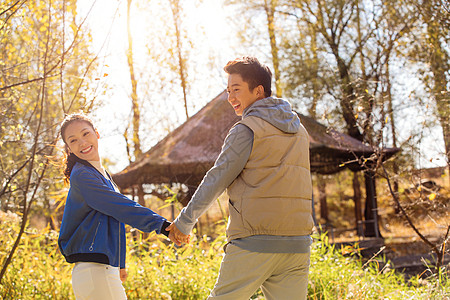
[321,185]
[134,96]
[358,207]
[371,209]
[391,115]
[135,107]
[269,7]
[315,74]
[362,86]
[439,66]
[175,7]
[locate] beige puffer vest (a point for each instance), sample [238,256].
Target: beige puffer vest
[272,194]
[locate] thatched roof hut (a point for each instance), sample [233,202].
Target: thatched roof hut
[188,152]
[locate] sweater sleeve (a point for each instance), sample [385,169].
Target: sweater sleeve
[101,197]
[232,159]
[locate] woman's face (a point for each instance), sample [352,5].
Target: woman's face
[82,140]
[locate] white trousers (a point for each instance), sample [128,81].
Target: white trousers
[94,281]
[281,276]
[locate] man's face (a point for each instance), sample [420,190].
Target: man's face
[239,94]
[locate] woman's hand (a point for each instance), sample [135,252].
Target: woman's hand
[123,275]
[176,236]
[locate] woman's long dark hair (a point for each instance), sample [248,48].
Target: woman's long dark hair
[70,159]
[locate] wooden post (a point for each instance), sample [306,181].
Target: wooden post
[321,185]
[358,207]
[371,210]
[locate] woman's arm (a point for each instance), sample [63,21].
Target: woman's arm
[103,198]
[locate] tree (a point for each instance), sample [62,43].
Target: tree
[159,61]
[134,93]
[432,49]
[336,58]
[181,69]
[269,8]
[267,28]
[360,68]
[45,67]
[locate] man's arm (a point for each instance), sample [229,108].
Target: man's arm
[230,163]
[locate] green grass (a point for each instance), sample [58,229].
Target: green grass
[157,270]
[340,274]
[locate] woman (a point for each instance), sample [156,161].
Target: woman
[92,231]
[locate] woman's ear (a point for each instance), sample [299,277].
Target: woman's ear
[67,149]
[98,134]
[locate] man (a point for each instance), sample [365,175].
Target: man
[264,165]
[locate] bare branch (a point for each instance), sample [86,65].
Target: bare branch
[46,75]
[9,8]
[12,176]
[408,219]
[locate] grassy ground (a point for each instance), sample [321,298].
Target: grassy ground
[157,270]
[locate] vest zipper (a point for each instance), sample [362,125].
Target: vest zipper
[91,248]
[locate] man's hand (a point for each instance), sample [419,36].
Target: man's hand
[123,275]
[176,236]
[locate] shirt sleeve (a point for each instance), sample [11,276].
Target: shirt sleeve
[232,159]
[106,200]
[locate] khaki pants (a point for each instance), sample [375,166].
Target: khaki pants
[280,275]
[93,281]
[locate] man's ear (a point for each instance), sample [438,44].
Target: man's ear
[260,92]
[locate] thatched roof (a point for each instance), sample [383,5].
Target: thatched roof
[188,152]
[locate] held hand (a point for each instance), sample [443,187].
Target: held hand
[176,236]
[123,275]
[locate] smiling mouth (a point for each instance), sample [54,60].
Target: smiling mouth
[84,151]
[236,106]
